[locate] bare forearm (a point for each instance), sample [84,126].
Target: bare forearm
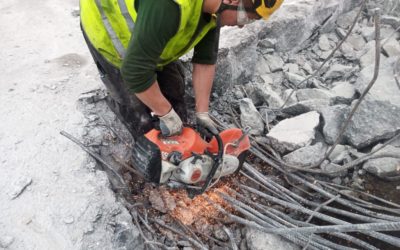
[203,77]
[155,100]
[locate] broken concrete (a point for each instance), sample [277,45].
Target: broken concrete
[324,43]
[257,240]
[385,88]
[392,48]
[263,94]
[356,41]
[333,120]
[391,20]
[306,106]
[306,156]
[308,94]
[373,121]
[385,166]
[343,93]
[294,133]
[275,62]
[338,71]
[294,78]
[250,117]
[340,155]
[289,29]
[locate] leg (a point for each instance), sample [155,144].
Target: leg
[130,110]
[172,84]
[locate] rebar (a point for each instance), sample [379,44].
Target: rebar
[389,226]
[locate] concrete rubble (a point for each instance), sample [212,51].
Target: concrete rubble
[333,119]
[250,117]
[306,156]
[257,240]
[374,121]
[385,88]
[385,166]
[294,133]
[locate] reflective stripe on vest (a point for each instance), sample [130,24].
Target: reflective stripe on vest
[125,13]
[113,35]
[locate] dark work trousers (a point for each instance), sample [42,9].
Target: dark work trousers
[128,108]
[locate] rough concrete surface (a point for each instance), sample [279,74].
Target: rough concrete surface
[294,133]
[50,197]
[385,166]
[257,240]
[309,155]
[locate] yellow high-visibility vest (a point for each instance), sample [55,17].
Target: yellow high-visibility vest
[109,25]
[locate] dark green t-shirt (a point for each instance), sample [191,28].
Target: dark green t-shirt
[157,22]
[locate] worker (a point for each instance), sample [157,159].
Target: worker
[136,45]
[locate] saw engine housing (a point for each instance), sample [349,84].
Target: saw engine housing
[188,159]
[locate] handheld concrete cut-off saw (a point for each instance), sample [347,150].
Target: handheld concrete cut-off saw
[188,161]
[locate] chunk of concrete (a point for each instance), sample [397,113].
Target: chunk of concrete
[309,94]
[368,33]
[292,68]
[348,52]
[385,88]
[275,62]
[268,115]
[294,133]
[294,78]
[374,121]
[392,48]
[324,43]
[346,19]
[306,106]
[340,154]
[343,92]
[391,20]
[289,97]
[339,71]
[261,93]
[257,240]
[306,156]
[356,41]
[385,166]
[250,117]
[333,119]
[367,55]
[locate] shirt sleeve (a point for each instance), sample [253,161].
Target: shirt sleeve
[206,51]
[157,22]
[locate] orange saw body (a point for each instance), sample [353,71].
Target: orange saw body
[189,160]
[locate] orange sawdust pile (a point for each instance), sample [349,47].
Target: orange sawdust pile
[190,210]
